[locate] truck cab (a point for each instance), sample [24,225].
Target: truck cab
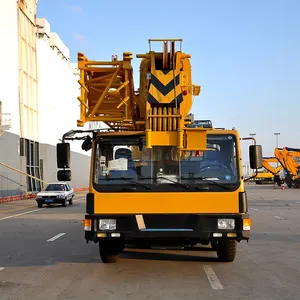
[165,197]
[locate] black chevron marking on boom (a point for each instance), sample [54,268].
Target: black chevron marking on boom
[152,100]
[179,99]
[164,89]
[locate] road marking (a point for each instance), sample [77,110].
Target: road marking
[27,212]
[255,209]
[80,199]
[20,207]
[21,214]
[56,237]
[1,269]
[278,218]
[213,279]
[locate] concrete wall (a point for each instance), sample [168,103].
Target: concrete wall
[11,182]
[80,166]
[14,183]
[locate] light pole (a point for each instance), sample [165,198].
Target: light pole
[252,135]
[276,134]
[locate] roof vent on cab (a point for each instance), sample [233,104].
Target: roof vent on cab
[201,123]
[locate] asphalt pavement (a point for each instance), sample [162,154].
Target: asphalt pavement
[43,255]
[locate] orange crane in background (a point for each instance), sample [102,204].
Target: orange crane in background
[274,171]
[286,156]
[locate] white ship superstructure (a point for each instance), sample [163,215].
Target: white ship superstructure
[37,101]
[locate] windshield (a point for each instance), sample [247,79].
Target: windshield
[126,161]
[54,187]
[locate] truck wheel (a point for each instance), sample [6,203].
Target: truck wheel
[214,245]
[227,250]
[121,247]
[109,253]
[297,183]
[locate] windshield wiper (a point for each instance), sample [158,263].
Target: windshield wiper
[177,183]
[212,182]
[135,182]
[131,181]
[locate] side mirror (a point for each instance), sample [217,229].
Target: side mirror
[64,175]
[255,156]
[87,144]
[63,155]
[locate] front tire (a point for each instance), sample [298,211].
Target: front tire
[226,250]
[109,252]
[64,203]
[214,245]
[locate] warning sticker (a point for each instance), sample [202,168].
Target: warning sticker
[120,164]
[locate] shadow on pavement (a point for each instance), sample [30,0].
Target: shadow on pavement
[77,252]
[133,255]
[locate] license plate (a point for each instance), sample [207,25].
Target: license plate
[48,201]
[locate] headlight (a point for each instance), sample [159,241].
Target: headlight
[107,224]
[226,224]
[60,196]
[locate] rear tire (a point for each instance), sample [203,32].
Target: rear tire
[297,183]
[226,250]
[277,180]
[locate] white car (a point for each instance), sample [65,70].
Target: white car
[55,193]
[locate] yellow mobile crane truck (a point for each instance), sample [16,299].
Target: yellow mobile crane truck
[157,176]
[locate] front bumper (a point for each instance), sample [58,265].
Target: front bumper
[172,227]
[50,200]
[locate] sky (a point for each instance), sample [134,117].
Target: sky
[245,54]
